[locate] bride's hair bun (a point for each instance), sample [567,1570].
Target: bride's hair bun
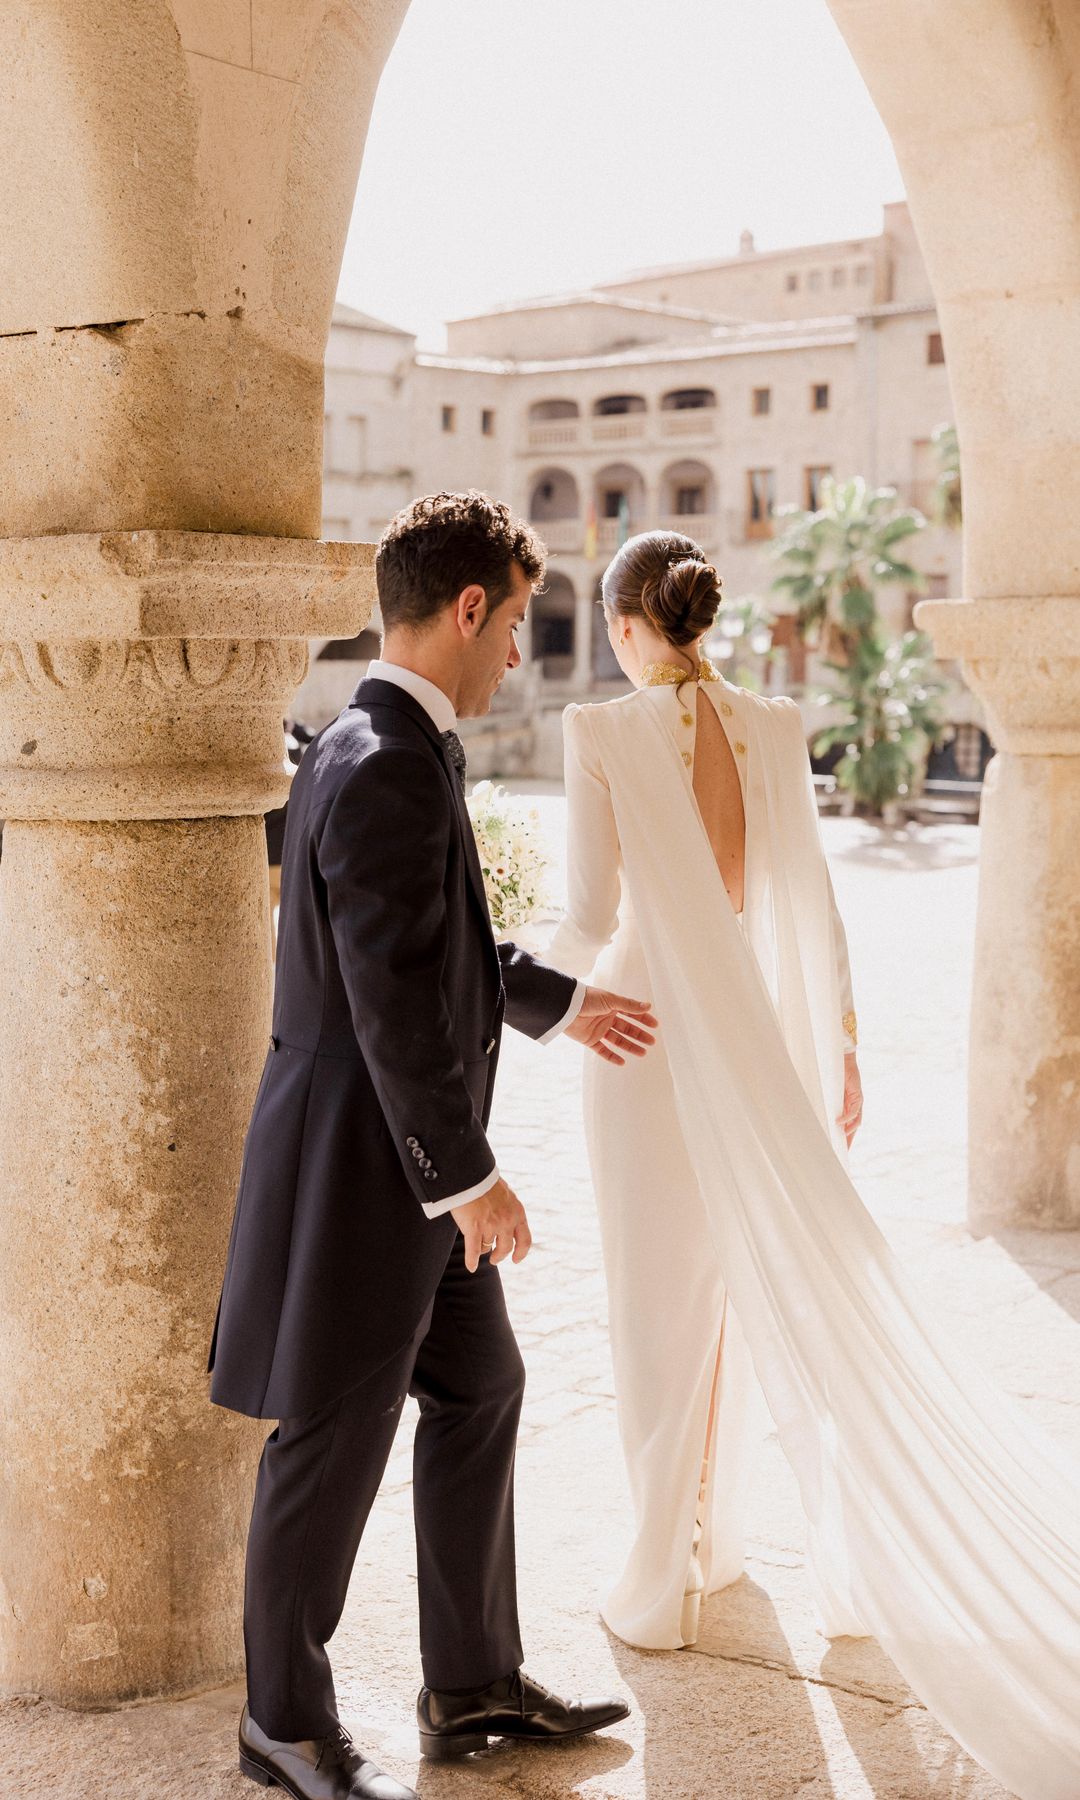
[681,602]
[664,578]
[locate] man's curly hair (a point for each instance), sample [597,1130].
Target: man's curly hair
[442,543]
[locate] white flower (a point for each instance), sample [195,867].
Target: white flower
[513,857]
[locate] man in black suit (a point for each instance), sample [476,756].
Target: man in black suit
[371,1215]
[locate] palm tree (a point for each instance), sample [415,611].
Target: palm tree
[891,699]
[838,557]
[837,560]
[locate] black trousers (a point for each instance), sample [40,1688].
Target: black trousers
[319,1475]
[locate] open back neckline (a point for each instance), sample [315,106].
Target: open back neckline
[721,686]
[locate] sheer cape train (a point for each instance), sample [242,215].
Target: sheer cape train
[945,1524]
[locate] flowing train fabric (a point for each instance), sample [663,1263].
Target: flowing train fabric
[948,1524]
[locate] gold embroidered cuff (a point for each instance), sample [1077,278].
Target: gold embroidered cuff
[848,1024]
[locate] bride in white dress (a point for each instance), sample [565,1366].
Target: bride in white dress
[941,1521]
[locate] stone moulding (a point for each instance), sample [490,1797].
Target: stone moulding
[145,674]
[159,584]
[1022,657]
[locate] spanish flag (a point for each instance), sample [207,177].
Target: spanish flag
[590,532]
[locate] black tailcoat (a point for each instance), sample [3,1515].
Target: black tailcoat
[389,1002]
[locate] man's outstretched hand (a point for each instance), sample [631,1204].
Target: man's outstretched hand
[611,1024]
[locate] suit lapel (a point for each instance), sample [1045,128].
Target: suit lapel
[372,692]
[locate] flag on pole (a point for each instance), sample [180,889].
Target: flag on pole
[624,521]
[591,532]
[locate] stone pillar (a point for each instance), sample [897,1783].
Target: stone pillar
[992,173]
[180,179]
[1023,658]
[134,1013]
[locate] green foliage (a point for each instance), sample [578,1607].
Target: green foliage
[836,558]
[948,500]
[891,699]
[834,563]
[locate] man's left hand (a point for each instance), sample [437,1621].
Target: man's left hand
[612,1025]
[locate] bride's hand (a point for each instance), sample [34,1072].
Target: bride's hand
[609,1023]
[850,1117]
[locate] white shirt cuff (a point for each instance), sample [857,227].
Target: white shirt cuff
[569,1015]
[436,1208]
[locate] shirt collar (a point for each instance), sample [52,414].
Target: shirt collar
[438,706]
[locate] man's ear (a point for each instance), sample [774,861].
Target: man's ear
[471,609]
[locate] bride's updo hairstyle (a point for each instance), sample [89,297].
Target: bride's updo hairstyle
[663,578]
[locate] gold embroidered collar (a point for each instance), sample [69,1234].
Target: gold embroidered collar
[663,674]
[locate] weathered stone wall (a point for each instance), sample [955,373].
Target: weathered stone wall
[179,184]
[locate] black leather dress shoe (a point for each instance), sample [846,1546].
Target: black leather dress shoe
[329,1768]
[453,1725]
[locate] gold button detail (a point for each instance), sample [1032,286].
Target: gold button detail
[740,746]
[688,718]
[687,758]
[724,707]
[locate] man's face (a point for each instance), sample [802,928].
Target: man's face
[494,649]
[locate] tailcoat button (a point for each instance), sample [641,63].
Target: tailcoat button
[425,1162]
[429,1174]
[411,1142]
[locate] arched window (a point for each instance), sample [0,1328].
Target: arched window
[553,611]
[553,495]
[688,399]
[611,404]
[552,409]
[687,492]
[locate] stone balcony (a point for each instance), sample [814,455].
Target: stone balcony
[620,428]
[699,423]
[553,434]
[565,535]
[704,528]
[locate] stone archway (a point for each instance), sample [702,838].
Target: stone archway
[554,507]
[554,627]
[992,172]
[173,244]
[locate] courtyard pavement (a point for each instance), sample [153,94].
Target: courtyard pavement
[762,1708]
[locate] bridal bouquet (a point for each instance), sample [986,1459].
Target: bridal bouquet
[513,857]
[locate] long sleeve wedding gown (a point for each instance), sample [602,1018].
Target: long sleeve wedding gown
[941,1521]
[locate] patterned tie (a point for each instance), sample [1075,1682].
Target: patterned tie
[455,750]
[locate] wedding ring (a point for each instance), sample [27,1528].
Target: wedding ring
[484,1248]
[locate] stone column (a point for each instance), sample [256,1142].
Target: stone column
[992,173]
[180,180]
[134,1013]
[1023,658]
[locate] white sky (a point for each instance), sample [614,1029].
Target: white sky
[528,146]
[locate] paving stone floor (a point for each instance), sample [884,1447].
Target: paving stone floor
[762,1708]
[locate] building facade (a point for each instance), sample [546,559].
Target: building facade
[698,398]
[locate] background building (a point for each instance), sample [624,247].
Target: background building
[698,397]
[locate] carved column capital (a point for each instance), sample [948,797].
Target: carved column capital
[1022,657]
[145,674]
